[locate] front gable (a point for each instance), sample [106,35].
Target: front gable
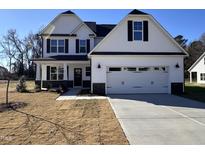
[65,23]
[199,65]
[158,39]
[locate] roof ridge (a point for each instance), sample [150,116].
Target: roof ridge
[138,12]
[68,12]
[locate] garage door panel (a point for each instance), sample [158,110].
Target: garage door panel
[122,82]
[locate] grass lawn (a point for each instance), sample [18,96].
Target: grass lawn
[61,122]
[195,92]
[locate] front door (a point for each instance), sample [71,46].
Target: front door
[77,77]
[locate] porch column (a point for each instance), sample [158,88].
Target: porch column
[65,76]
[38,69]
[190,77]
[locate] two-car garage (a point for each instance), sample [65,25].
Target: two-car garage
[131,80]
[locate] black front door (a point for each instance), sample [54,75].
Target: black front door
[77,77]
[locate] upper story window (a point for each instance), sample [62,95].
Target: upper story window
[82,46]
[57,46]
[54,45]
[61,46]
[138,30]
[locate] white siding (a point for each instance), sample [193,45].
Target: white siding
[199,68]
[117,40]
[82,33]
[175,74]
[64,24]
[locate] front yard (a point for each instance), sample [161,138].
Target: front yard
[194,91]
[57,122]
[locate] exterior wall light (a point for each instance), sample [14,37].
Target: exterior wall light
[99,66]
[177,65]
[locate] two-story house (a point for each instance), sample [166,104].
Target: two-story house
[135,56]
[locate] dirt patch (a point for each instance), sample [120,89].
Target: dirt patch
[59,122]
[11,106]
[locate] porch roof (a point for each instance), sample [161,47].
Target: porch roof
[63,58]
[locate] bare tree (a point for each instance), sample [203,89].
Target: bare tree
[20,51]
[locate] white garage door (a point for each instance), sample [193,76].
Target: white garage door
[131,80]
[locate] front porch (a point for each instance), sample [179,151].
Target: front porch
[67,74]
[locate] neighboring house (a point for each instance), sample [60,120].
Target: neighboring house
[198,68]
[136,56]
[3,73]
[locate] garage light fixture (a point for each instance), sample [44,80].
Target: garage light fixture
[99,66]
[177,65]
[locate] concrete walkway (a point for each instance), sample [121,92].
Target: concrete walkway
[72,94]
[69,95]
[160,118]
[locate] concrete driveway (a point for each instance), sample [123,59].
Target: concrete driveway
[160,118]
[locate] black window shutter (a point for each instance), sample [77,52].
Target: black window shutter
[88,45]
[66,45]
[145,30]
[77,45]
[130,30]
[48,72]
[68,72]
[48,45]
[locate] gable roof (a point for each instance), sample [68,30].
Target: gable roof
[196,62]
[63,13]
[101,30]
[137,12]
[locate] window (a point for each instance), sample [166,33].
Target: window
[54,46]
[132,69]
[61,46]
[114,69]
[56,73]
[138,30]
[156,69]
[202,75]
[82,46]
[53,73]
[57,46]
[144,68]
[87,71]
[60,73]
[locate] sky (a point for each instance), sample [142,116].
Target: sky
[184,22]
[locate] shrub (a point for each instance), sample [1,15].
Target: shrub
[21,86]
[62,88]
[37,88]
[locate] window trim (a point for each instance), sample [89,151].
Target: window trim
[57,46]
[142,31]
[85,47]
[57,73]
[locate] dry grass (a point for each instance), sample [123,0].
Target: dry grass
[61,122]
